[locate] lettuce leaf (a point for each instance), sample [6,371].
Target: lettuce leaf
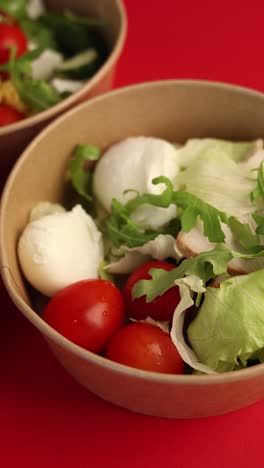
[229,328]
[187,286]
[196,147]
[220,182]
[160,248]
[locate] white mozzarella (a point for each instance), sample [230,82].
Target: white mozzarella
[45,65]
[62,85]
[59,249]
[35,8]
[132,164]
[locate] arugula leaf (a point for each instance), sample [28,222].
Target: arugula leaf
[174,227]
[207,265]
[260,223]
[260,229]
[36,94]
[121,230]
[192,208]
[258,192]
[38,33]
[73,18]
[81,177]
[244,235]
[21,64]
[163,200]
[73,35]
[16,8]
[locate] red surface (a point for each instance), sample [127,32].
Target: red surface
[48,420]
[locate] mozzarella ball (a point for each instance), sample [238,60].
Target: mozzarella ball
[132,164]
[59,249]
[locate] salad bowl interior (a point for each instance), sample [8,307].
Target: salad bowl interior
[15,137]
[175,111]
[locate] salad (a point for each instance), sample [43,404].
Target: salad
[44,56]
[158,261]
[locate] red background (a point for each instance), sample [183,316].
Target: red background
[46,418]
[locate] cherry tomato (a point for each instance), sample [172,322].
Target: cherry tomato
[87,312]
[8,115]
[162,307]
[146,347]
[11,35]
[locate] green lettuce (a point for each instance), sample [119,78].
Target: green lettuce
[125,259]
[187,286]
[229,328]
[219,181]
[196,147]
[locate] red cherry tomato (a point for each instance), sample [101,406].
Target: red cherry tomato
[87,312]
[11,35]
[146,347]
[162,307]
[8,115]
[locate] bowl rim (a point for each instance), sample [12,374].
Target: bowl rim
[69,102]
[46,330]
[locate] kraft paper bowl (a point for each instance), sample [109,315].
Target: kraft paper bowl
[15,137]
[174,110]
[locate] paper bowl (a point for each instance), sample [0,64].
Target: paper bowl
[15,137]
[174,110]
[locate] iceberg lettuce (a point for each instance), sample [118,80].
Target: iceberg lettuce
[237,151]
[219,181]
[128,259]
[229,328]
